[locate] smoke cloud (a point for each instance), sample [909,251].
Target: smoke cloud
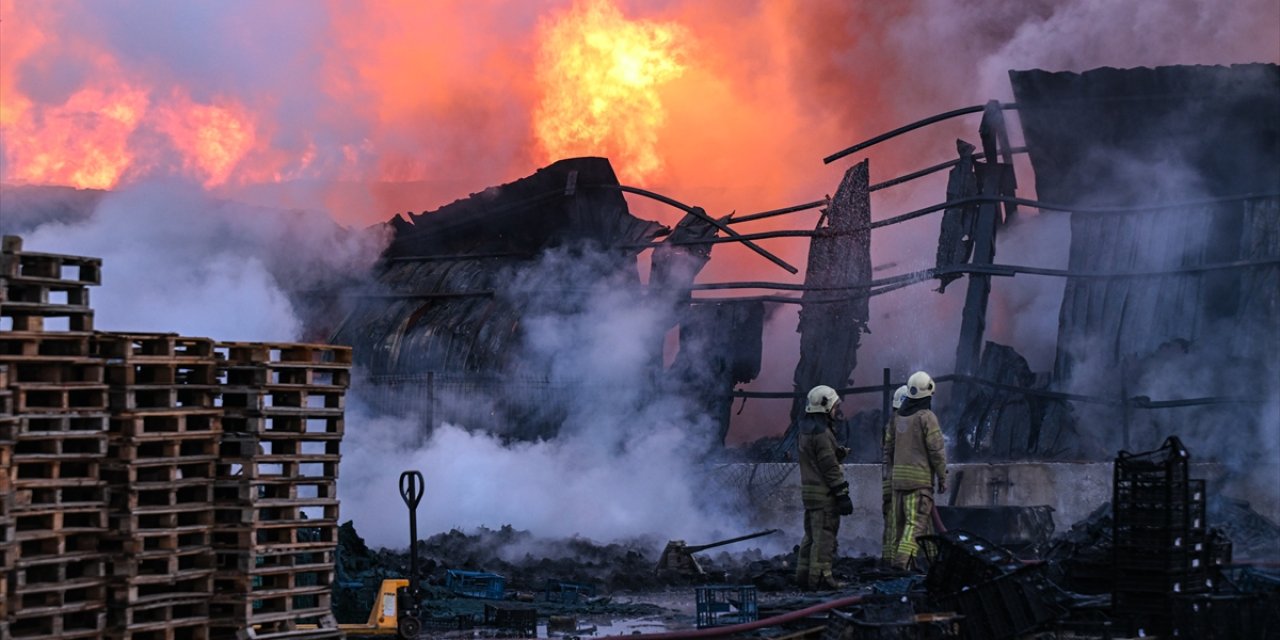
[628,459]
[177,260]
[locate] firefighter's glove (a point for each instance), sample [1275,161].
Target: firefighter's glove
[844,506]
[842,453]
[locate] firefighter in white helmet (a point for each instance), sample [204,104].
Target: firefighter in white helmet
[886,485]
[823,489]
[915,457]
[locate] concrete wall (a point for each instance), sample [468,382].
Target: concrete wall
[1074,490]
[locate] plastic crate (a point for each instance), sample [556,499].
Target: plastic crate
[522,621]
[1009,605]
[958,559]
[1183,515]
[568,592]
[1193,558]
[724,605]
[475,584]
[1219,617]
[1169,583]
[1169,463]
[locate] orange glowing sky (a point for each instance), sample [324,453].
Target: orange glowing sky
[723,103]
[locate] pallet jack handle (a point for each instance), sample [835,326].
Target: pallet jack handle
[412,486]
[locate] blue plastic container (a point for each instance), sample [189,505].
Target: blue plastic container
[475,584]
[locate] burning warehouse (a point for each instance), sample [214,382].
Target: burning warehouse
[596,375]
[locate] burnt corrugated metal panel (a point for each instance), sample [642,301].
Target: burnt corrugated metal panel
[1148,136]
[450,315]
[1151,137]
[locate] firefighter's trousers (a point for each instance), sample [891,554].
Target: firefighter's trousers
[818,548]
[911,516]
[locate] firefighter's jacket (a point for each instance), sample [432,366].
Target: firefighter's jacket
[821,476]
[913,451]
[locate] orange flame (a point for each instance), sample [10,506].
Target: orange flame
[599,75]
[212,139]
[83,142]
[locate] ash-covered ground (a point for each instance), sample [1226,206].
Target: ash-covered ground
[620,581]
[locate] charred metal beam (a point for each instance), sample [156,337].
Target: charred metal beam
[910,127]
[700,213]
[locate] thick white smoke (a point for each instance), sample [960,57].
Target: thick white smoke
[627,461]
[177,260]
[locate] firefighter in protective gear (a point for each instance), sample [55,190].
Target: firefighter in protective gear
[886,486]
[915,458]
[823,489]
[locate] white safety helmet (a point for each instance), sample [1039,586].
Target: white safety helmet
[899,396]
[919,385]
[822,399]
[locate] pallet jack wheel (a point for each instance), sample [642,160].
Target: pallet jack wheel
[408,627]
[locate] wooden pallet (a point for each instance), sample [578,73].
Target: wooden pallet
[64,624]
[149,567]
[175,618]
[160,471]
[140,498]
[20,345]
[244,490]
[152,347]
[163,447]
[68,575]
[190,517]
[274,612]
[322,627]
[243,539]
[40,524]
[86,495]
[43,424]
[140,398]
[18,264]
[166,424]
[168,372]
[26,316]
[51,545]
[266,353]
[36,471]
[268,513]
[54,370]
[239,422]
[271,397]
[46,291]
[59,398]
[29,447]
[262,467]
[144,588]
[170,541]
[231,562]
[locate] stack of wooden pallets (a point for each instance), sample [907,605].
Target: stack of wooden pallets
[154,486]
[8,425]
[56,573]
[276,497]
[164,432]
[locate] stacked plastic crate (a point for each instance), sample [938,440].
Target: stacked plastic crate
[164,434]
[1160,547]
[276,495]
[57,575]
